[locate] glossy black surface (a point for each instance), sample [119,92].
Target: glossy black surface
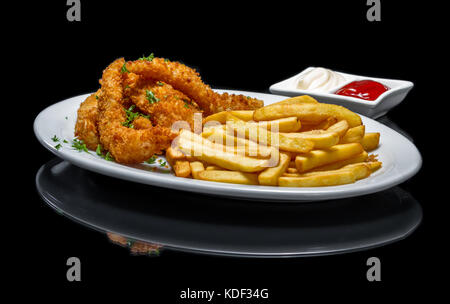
[193,222]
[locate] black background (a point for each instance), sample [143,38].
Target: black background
[237,45]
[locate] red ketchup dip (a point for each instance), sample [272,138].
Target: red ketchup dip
[363,89]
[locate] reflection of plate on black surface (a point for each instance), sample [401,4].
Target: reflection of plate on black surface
[193,222]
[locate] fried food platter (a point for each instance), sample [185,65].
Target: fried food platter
[54,127]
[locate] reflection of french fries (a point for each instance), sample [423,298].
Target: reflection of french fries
[321,139]
[233,177]
[370,141]
[345,175]
[353,135]
[270,175]
[317,158]
[262,136]
[202,149]
[309,113]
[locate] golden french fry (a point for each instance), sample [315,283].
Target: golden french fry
[288,124]
[264,137]
[322,145]
[172,155]
[340,128]
[222,116]
[317,158]
[295,100]
[346,175]
[219,117]
[234,177]
[250,148]
[269,176]
[370,141]
[321,139]
[374,166]
[182,168]
[323,125]
[212,167]
[308,113]
[329,178]
[196,168]
[202,149]
[288,174]
[362,157]
[243,115]
[361,170]
[353,135]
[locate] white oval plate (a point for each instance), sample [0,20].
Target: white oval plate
[401,160]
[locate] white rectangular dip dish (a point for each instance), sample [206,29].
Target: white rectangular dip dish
[398,89]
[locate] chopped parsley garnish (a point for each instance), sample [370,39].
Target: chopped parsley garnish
[99,150]
[79,145]
[55,139]
[65,141]
[151,97]
[107,156]
[248,97]
[58,146]
[166,60]
[131,116]
[162,164]
[124,68]
[148,58]
[186,105]
[96,96]
[151,160]
[160,83]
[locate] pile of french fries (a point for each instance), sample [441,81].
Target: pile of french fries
[297,142]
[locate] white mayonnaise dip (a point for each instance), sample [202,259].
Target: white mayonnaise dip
[320,80]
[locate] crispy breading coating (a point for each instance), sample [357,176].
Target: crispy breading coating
[165,91]
[127,145]
[86,125]
[188,81]
[161,101]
